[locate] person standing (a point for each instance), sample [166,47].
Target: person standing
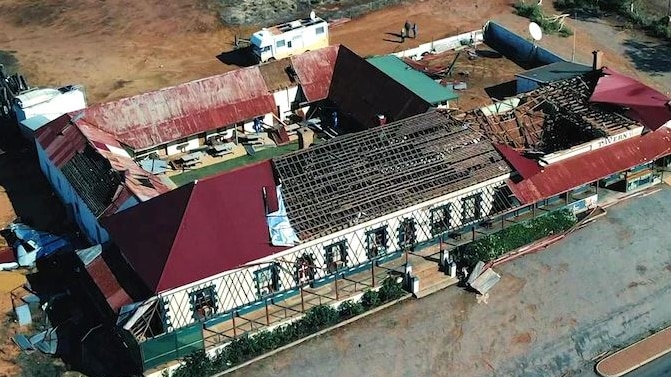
[407,27]
[402,35]
[414,30]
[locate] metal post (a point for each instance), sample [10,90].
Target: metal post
[473,232]
[335,281]
[533,210]
[372,272]
[233,320]
[302,301]
[267,315]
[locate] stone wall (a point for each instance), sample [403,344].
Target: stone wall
[270,12]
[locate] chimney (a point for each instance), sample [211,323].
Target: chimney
[597,62]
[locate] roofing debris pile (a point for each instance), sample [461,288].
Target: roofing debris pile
[553,118]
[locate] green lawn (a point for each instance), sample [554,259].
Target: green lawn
[207,171]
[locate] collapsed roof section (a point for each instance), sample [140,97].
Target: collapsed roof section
[98,168]
[366,175]
[552,118]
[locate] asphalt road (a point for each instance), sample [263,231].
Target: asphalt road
[599,289]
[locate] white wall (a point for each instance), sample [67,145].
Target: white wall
[284,98]
[592,145]
[441,45]
[186,145]
[238,288]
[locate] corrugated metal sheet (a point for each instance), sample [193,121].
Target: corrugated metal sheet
[588,167]
[196,231]
[170,114]
[61,140]
[109,286]
[525,167]
[315,70]
[276,75]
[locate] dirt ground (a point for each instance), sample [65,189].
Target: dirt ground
[601,287]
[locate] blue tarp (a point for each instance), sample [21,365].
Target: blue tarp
[281,232]
[32,244]
[154,166]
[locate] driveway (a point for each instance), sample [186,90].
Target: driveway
[602,287]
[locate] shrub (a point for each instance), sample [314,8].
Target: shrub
[196,364]
[497,244]
[349,309]
[370,299]
[319,317]
[390,290]
[534,13]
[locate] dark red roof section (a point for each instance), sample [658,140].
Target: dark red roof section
[588,167]
[198,230]
[60,140]
[648,106]
[172,113]
[362,91]
[109,286]
[525,167]
[315,70]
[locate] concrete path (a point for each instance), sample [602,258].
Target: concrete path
[636,355]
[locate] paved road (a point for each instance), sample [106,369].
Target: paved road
[603,287]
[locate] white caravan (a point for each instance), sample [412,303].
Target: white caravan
[291,38]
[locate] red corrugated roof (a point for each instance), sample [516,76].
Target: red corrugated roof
[648,106]
[588,167]
[61,139]
[315,71]
[525,167]
[108,284]
[172,113]
[197,230]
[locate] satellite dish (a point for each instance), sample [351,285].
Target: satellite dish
[535,31]
[313,15]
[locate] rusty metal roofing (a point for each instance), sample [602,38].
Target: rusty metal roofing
[315,70]
[176,112]
[277,75]
[588,167]
[62,140]
[108,284]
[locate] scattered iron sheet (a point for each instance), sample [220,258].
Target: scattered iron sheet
[477,270]
[486,281]
[23,315]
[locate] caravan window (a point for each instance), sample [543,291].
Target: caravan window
[280,43]
[289,44]
[320,30]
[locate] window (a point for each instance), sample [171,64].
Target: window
[376,242]
[335,256]
[203,303]
[471,208]
[407,233]
[320,30]
[289,44]
[267,280]
[304,269]
[279,44]
[440,219]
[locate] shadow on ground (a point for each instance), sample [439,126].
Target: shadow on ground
[650,57]
[242,57]
[503,90]
[28,190]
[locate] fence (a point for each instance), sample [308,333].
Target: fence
[472,37]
